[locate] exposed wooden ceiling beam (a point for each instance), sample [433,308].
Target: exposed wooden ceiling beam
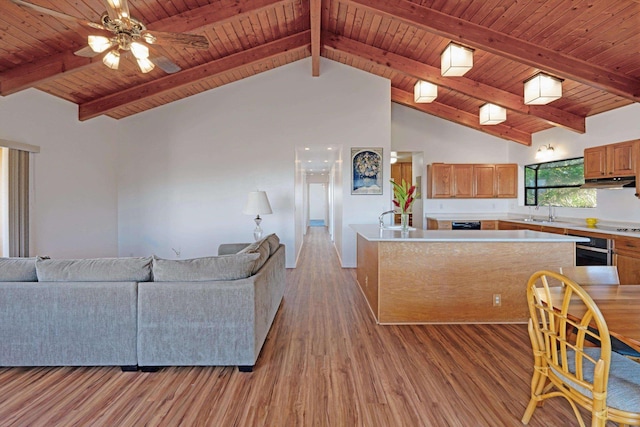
[464,85]
[316,21]
[218,13]
[498,43]
[461,117]
[169,83]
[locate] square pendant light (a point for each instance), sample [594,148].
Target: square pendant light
[491,114]
[542,89]
[424,92]
[456,60]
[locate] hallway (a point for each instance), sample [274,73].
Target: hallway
[325,363]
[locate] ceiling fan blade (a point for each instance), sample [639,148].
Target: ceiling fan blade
[86,52]
[175,39]
[55,14]
[118,9]
[166,64]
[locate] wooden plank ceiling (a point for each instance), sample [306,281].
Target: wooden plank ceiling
[593,45]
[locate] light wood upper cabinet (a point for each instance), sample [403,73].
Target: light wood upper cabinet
[507,180]
[440,180]
[462,181]
[484,179]
[400,171]
[472,181]
[610,161]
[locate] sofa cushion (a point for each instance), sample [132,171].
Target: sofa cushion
[224,267]
[260,247]
[18,270]
[274,243]
[94,270]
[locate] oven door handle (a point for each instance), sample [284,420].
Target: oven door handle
[592,249]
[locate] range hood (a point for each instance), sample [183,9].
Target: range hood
[610,183]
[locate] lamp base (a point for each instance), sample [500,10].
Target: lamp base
[257,233]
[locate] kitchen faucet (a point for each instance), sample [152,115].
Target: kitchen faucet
[380,220]
[551,215]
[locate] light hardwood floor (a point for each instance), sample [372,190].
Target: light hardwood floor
[325,363]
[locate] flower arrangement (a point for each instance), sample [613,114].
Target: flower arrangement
[403,195]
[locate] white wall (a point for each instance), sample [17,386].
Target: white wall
[617,125]
[185,168]
[447,142]
[75,182]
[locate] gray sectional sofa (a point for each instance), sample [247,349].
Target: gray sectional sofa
[141,312]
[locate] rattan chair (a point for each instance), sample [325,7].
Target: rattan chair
[595,378]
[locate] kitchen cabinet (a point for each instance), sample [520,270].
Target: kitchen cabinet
[626,256]
[400,171]
[472,180]
[489,225]
[434,224]
[610,161]
[484,177]
[507,180]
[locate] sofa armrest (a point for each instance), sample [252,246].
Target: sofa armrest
[231,248]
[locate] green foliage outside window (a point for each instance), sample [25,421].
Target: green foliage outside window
[557,183]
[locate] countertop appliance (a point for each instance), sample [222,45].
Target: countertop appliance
[465,225]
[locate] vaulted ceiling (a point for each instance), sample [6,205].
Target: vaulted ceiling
[594,46]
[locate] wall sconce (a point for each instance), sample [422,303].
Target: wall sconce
[455,60]
[394,157]
[257,203]
[542,89]
[545,152]
[424,92]
[491,114]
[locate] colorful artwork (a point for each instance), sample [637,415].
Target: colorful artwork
[366,173]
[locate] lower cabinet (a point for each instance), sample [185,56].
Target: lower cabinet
[627,258]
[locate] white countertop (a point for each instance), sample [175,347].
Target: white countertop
[373,233]
[573,226]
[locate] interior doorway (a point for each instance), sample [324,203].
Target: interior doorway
[409,166]
[318,205]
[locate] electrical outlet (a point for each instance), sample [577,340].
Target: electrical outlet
[497,300]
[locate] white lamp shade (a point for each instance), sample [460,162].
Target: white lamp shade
[257,204]
[424,92]
[491,114]
[145,64]
[456,60]
[99,43]
[112,59]
[542,89]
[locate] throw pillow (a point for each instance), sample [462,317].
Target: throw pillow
[18,270]
[260,247]
[94,270]
[274,243]
[223,267]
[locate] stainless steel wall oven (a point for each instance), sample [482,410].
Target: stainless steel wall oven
[597,251]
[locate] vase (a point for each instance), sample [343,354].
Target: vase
[404,222]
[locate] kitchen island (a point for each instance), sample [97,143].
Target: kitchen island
[454,276]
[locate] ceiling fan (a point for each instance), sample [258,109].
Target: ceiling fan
[126,34]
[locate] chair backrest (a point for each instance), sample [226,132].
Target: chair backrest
[592,274]
[580,371]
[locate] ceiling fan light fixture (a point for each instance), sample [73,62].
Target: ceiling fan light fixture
[145,64]
[424,92]
[139,50]
[99,43]
[112,59]
[491,114]
[456,60]
[542,89]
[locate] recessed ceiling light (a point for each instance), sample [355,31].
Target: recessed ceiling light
[329,148]
[307,148]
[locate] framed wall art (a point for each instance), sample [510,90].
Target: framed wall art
[366,171]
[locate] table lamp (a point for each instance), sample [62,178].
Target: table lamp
[258,204]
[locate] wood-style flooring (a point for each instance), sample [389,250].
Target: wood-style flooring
[325,363]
